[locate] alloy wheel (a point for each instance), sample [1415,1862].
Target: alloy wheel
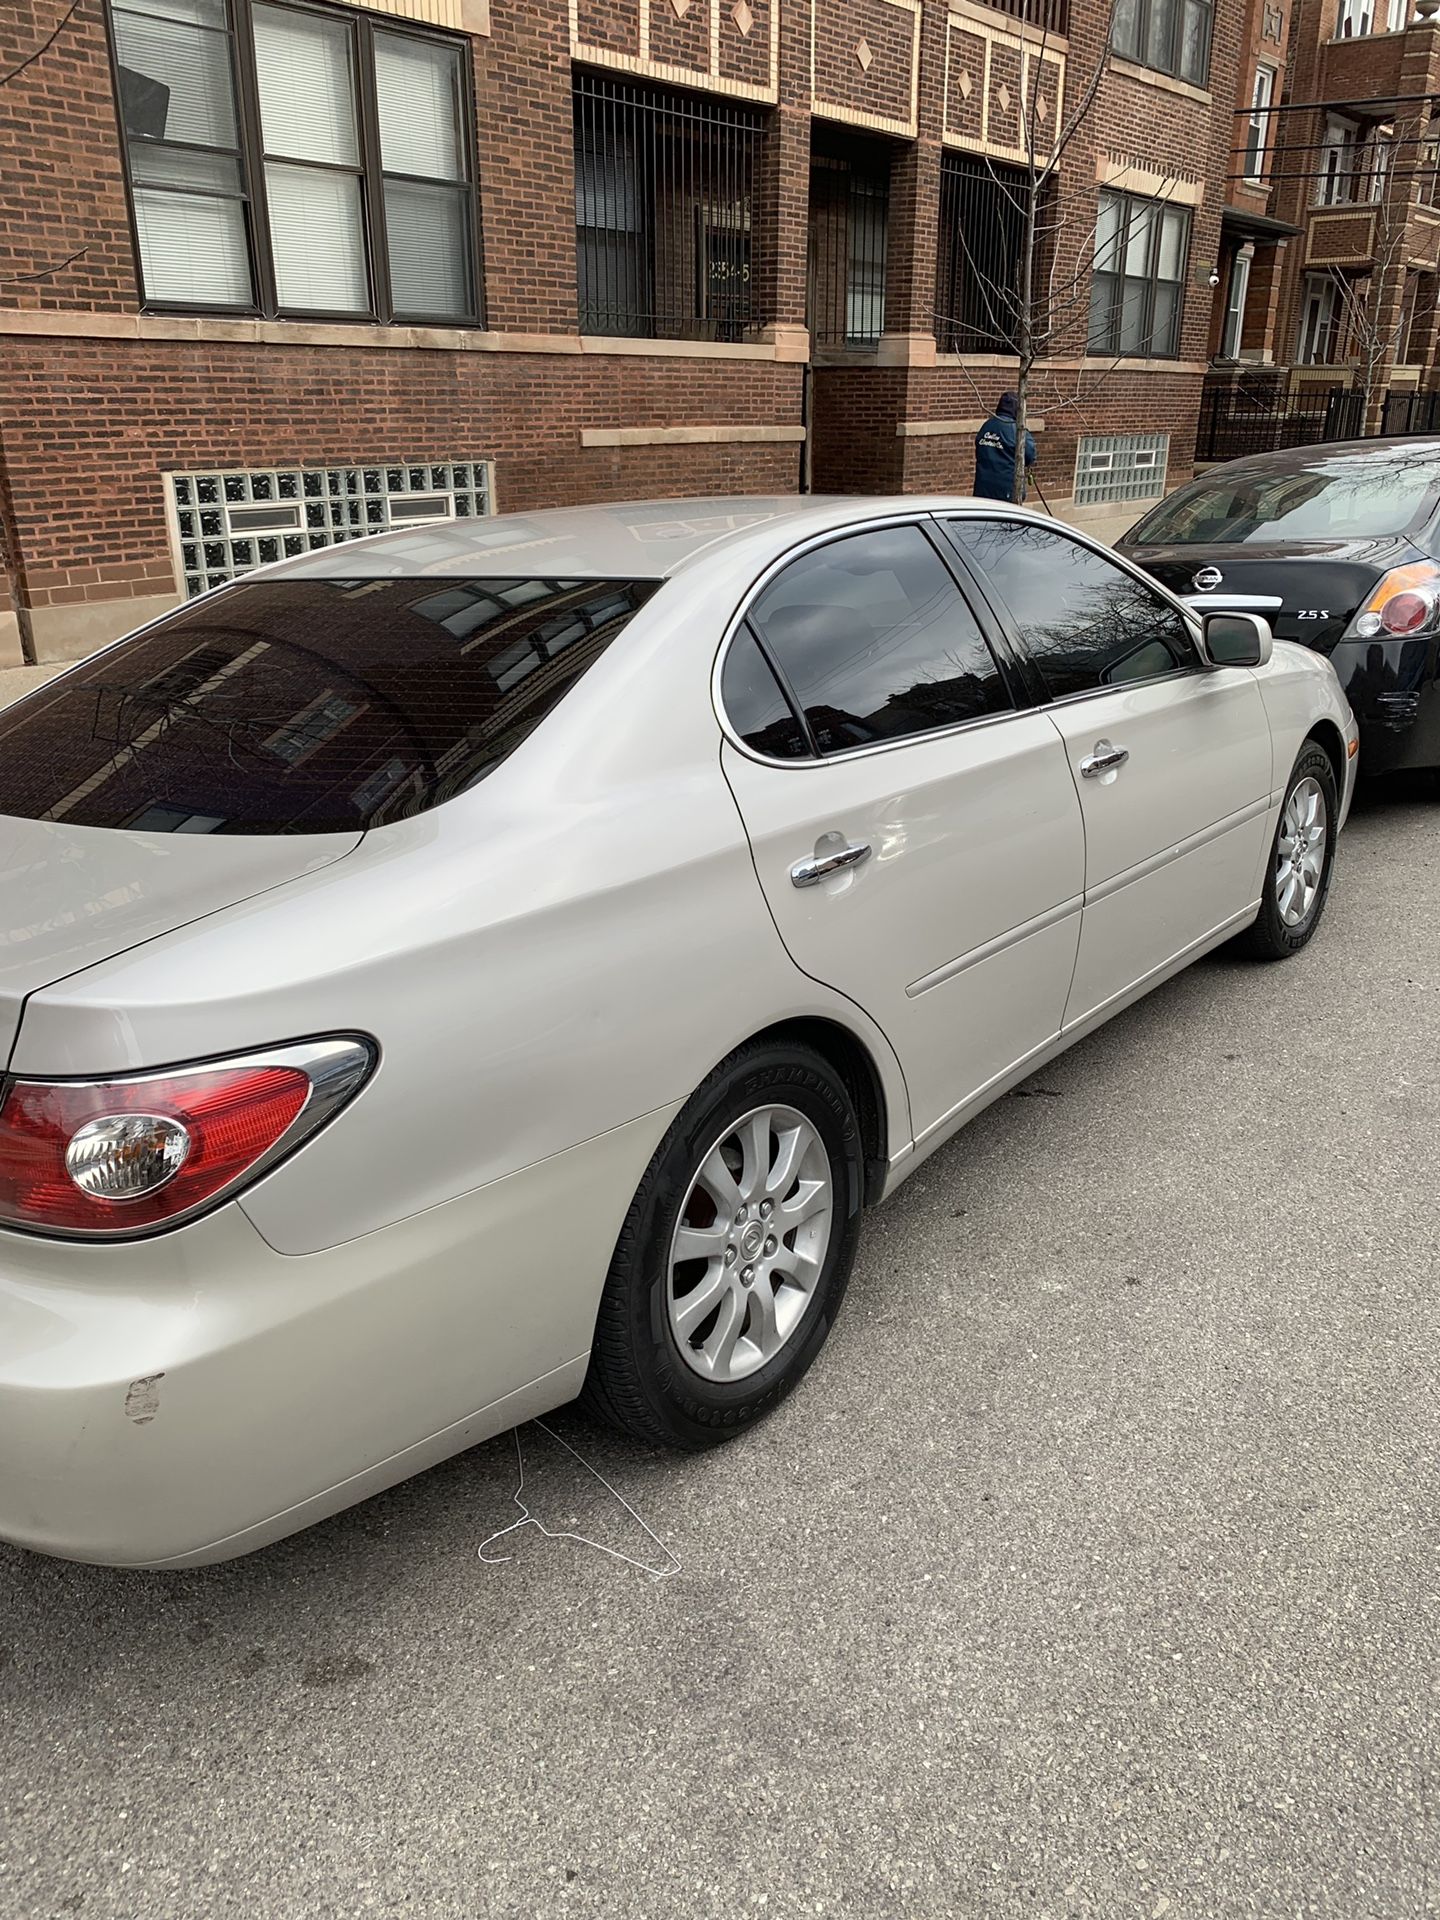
[750,1244]
[1300,852]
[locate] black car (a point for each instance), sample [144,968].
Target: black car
[1339,548]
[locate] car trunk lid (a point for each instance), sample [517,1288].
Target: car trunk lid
[1320,585]
[73,896]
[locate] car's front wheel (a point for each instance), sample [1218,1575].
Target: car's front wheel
[1297,879]
[735,1253]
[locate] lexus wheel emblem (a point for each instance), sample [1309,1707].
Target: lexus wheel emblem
[1207,579]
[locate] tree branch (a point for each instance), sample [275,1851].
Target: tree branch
[45,45]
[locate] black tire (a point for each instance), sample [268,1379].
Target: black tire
[638,1380]
[1270,938]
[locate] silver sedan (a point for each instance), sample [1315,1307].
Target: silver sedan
[452,972]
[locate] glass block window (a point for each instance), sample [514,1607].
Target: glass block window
[1120,467]
[228,523]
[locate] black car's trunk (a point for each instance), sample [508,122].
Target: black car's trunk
[1320,585]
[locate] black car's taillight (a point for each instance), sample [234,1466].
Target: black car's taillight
[1405,602]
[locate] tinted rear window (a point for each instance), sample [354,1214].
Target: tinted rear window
[307,706]
[1345,497]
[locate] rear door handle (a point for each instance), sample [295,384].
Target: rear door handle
[809,873]
[1104,759]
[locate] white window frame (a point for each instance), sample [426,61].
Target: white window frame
[1257,138]
[1379,152]
[1356,18]
[1235,297]
[1319,321]
[1339,154]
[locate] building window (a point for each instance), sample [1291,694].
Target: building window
[1235,305]
[1136,295]
[226,524]
[1257,128]
[1379,149]
[1339,161]
[1319,321]
[849,220]
[1172,36]
[293,162]
[1417,319]
[1120,467]
[664,187]
[1359,17]
[977,300]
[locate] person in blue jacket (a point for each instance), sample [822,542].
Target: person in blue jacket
[995,452]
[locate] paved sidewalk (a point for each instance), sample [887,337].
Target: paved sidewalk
[15,681]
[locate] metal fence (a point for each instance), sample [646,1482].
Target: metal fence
[665,183]
[1235,421]
[849,218]
[981,226]
[1411,412]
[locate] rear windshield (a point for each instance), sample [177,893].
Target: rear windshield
[306,706]
[1345,497]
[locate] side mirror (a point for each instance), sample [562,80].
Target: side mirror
[1236,639]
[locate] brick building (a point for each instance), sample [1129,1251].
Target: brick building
[277,272]
[1330,303]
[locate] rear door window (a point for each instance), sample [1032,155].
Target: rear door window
[876,640]
[755,703]
[1085,621]
[307,705]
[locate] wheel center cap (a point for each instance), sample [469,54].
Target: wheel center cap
[752,1239]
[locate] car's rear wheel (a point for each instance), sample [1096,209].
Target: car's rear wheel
[1297,878]
[735,1253]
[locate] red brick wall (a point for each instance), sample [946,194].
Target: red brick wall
[62,189]
[854,446]
[88,426]
[527,182]
[91,425]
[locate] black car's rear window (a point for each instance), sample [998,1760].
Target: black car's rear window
[1343,496]
[306,706]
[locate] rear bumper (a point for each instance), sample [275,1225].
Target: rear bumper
[1390,684]
[188,1398]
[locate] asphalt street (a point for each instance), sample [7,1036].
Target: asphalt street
[1092,1572]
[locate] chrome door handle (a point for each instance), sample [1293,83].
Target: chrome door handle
[809,873]
[1103,759]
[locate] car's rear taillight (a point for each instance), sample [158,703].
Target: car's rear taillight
[116,1158]
[1406,602]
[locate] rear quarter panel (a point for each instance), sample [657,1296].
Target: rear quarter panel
[570,946]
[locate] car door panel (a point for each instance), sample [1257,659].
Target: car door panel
[1171,760]
[955,921]
[1172,838]
[958,934]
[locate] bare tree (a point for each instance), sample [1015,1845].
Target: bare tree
[1037,298]
[1372,306]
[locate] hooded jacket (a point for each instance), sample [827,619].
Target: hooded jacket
[995,453]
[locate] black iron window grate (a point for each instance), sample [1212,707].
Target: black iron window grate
[665,191]
[1050,16]
[849,219]
[977,281]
